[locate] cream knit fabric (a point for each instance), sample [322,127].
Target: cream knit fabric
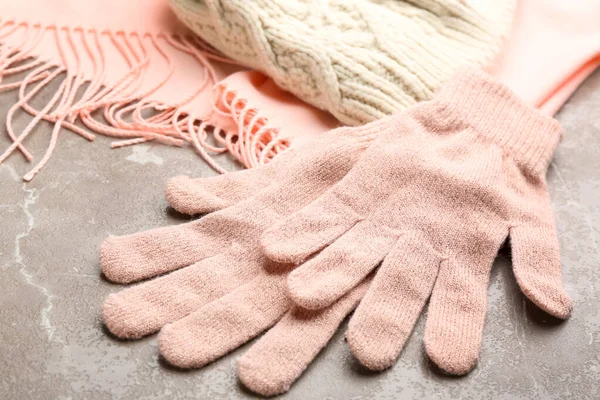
[358,59]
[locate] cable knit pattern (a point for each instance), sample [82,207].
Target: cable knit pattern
[358,59]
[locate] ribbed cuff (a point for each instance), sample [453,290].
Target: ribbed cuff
[496,112]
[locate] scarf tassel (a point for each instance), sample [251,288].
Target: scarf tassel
[83,90]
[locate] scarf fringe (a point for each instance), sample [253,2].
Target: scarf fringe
[123,103]
[253,143]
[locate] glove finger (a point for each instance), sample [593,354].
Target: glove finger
[309,230]
[458,305]
[142,255]
[535,246]
[537,267]
[204,195]
[331,274]
[144,309]
[387,314]
[226,323]
[278,358]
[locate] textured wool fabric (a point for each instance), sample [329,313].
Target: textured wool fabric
[358,59]
[433,207]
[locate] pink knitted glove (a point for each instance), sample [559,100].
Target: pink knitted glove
[433,208]
[228,291]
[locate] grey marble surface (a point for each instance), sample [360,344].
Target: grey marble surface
[53,346]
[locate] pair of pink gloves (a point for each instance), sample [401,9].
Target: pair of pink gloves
[382,218]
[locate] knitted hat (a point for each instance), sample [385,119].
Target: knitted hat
[358,59]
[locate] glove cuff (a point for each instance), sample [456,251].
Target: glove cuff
[491,108]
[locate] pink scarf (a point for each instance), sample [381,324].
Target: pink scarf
[134,64]
[553,48]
